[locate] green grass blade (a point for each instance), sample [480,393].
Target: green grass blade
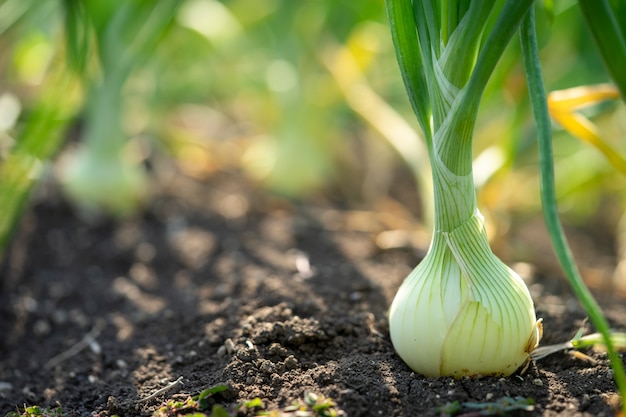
[39,141]
[405,41]
[607,24]
[539,103]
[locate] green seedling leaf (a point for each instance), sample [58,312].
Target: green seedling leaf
[193,405]
[202,398]
[310,398]
[36,411]
[254,403]
[449,409]
[219,411]
[213,390]
[313,405]
[320,405]
[172,407]
[596,339]
[496,408]
[503,406]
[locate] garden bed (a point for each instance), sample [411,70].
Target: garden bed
[221,286]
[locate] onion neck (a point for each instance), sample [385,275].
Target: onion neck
[455,194]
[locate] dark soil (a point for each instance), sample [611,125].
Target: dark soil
[300,290]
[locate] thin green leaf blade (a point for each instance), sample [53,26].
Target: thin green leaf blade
[607,23]
[465,110]
[460,53]
[406,44]
[505,27]
[538,99]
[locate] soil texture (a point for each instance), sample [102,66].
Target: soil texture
[216,284]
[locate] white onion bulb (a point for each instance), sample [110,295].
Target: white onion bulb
[462,311]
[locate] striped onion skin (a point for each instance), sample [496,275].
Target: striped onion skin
[462,311]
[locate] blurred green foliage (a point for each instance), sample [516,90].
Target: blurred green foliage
[303,96]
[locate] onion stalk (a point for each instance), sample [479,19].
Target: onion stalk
[462,311]
[102,176]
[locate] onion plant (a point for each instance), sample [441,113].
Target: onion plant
[462,312]
[100,176]
[120,36]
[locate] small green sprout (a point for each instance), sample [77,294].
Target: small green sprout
[596,340]
[449,409]
[36,411]
[251,404]
[216,411]
[318,403]
[315,405]
[593,340]
[501,407]
[204,396]
[193,406]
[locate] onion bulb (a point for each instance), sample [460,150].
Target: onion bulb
[462,311]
